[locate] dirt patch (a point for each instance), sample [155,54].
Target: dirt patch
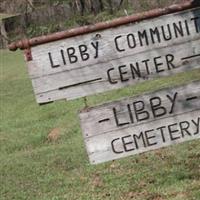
[54,135]
[97,181]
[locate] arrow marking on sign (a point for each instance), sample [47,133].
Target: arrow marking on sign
[189,57]
[191,98]
[80,83]
[104,120]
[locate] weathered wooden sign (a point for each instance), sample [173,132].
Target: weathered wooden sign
[143,123]
[116,57]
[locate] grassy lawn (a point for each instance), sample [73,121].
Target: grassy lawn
[33,167]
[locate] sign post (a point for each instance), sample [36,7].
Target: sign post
[114,55]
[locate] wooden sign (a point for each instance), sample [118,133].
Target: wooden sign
[143,123]
[116,57]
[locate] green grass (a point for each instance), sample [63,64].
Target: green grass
[34,168]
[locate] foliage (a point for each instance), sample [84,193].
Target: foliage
[74,21]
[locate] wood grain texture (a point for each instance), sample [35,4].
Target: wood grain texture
[136,45]
[173,112]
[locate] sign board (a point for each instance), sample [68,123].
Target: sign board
[143,123]
[116,57]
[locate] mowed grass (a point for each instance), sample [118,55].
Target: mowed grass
[32,167]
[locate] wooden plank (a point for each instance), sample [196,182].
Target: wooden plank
[116,57]
[89,80]
[139,124]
